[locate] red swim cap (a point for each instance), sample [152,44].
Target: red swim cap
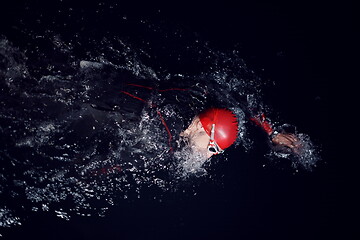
[226,125]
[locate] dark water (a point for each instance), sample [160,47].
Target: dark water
[248,196]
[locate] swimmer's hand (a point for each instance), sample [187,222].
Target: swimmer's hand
[288,140]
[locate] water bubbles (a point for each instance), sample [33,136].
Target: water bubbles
[45,207]
[62,214]
[7,219]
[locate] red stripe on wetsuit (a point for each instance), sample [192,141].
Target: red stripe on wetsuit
[154,106]
[261,121]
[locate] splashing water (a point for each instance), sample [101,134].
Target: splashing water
[7,218]
[73,144]
[306,157]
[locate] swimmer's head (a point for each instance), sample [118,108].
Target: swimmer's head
[212,131]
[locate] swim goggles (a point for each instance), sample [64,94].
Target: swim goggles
[213,147]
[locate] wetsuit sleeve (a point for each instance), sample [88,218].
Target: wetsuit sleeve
[263,122]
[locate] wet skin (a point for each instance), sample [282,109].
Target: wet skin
[288,140]
[198,138]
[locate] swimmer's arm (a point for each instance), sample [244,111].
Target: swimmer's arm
[280,139]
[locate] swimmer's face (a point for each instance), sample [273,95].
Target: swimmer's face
[198,138]
[200,141]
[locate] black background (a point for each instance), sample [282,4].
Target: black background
[305,47]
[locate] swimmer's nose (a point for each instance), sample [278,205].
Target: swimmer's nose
[209,154]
